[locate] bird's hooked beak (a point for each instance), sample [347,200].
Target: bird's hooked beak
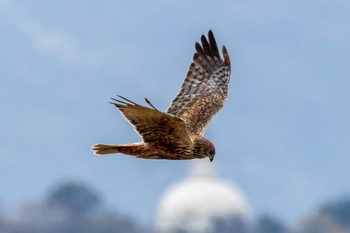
[211,159]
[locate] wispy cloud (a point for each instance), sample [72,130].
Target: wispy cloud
[52,42]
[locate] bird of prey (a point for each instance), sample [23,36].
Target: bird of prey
[177,134]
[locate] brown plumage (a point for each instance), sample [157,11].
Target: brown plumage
[178,132]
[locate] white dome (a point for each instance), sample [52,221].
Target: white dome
[193,203]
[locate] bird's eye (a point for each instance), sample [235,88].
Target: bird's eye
[211,152]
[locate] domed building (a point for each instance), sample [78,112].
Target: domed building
[202,203]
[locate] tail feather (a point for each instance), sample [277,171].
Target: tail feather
[131,149]
[101,149]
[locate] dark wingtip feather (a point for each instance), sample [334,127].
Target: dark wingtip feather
[126,99]
[199,49]
[150,104]
[226,57]
[118,103]
[213,45]
[206,46]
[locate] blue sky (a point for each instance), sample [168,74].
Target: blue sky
[282,136]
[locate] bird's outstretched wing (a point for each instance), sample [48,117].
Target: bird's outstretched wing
[153,125]
[204,90]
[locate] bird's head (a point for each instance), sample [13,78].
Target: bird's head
[205,148]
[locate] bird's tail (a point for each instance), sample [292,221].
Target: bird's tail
[102,149]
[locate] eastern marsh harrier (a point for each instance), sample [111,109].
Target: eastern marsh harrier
[178,133]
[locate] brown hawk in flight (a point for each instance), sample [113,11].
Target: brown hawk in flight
[178,133]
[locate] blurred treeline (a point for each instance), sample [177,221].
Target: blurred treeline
[73,207]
